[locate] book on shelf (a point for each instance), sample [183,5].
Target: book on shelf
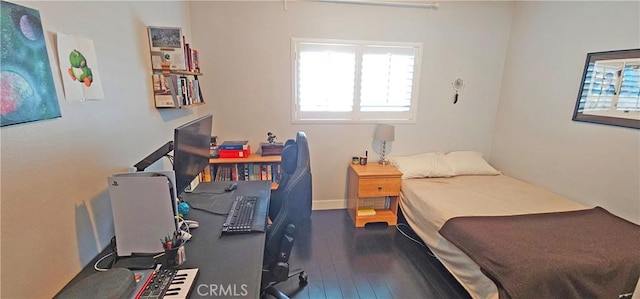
[380,203]
[235,145]
[245,169]
[246,172]
[186,89]
[255,172]
[229,153]
[366,212]
[192,57]
[166,47]
[263,173]
[173,58]
[162,91]
[196,60]
[182,91]
[175,90]
[156,60]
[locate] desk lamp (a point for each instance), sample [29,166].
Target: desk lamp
[384,133]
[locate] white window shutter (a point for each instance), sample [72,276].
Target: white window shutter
[355,81]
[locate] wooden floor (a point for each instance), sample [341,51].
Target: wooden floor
[372,262]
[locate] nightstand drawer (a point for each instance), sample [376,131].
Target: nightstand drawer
[371,187]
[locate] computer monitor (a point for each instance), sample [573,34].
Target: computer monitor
[191,144]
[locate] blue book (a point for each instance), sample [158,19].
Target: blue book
[234,145]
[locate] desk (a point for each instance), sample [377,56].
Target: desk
[229,266]
[230,262]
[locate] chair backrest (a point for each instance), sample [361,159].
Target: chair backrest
[293,157]
[288,166]
[291,202]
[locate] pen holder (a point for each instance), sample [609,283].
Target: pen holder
[174,257]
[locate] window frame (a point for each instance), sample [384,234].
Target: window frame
[355,116]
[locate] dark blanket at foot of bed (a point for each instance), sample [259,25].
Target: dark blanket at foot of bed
[577,254]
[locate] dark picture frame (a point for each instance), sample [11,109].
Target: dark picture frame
[609,91]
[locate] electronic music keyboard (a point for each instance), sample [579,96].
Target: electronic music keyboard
[164,283]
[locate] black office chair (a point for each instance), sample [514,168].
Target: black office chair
[288,166]
[291,206]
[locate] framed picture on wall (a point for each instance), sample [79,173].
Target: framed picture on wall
[28,92]
[167,46]
[610,89]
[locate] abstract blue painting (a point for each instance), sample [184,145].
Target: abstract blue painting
[27,91]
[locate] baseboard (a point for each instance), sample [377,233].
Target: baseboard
[331,204]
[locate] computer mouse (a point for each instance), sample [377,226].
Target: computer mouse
[231,187]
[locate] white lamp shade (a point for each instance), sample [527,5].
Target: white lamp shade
[385,133]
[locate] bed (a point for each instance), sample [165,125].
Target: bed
[463,187]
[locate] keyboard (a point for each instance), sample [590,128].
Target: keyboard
[165,283]
[247,215]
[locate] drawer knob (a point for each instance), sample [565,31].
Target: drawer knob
[379,188]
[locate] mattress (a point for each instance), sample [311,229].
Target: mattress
[428,203]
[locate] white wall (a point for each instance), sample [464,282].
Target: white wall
[535,138]
[56,214]
[247,63]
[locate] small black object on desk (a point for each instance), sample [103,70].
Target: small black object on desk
[135,263]
[231,187]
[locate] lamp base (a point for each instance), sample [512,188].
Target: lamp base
[383,162]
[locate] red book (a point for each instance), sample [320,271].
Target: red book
[234,153]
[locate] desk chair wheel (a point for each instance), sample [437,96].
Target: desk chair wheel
[303,277]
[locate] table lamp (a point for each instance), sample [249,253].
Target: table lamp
[384,133]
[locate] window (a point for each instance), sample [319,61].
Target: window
[350,81]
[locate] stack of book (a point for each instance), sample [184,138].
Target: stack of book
[271,149]
[234,149]
[192,57]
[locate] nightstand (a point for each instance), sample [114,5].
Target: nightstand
[375,183]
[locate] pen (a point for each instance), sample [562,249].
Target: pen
[168,241]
